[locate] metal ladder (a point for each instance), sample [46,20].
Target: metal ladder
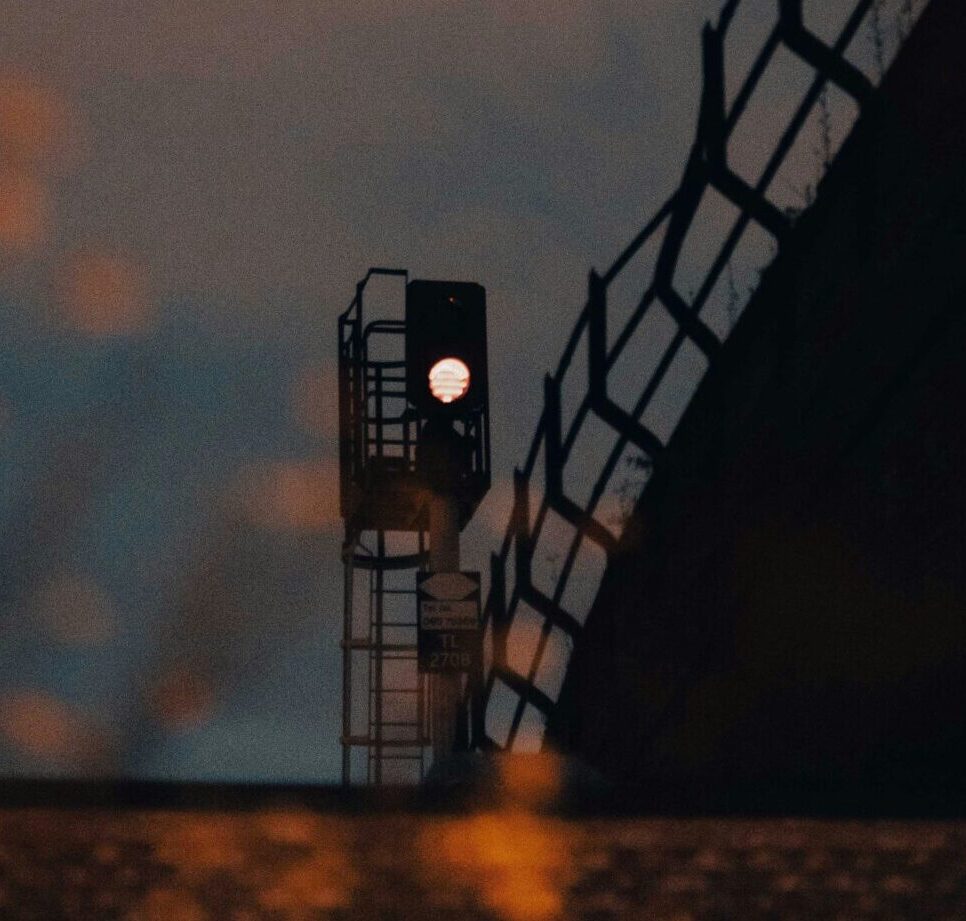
[396,707]
[395,734]
[387,718]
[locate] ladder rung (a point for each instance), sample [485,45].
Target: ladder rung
[366,742]
[362,643]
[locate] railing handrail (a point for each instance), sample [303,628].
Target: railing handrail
[707,167]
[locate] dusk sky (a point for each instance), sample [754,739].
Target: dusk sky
[188,193]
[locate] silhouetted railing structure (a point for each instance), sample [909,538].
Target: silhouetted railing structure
[532,624]
[386,702]
[384,699]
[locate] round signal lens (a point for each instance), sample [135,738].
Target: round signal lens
[449,379]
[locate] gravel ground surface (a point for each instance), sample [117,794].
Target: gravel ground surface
[504,863]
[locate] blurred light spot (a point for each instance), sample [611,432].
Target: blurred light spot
[42,726]
[519,864]
[200,846]
[166,905]
[74,611]
[321,882]
[197,845]
[24,211]
[182,699]
[292,496]
[315,401]
[106,294]
[495,510]
[289,827]
[533,779]
[33,122]
[614,509]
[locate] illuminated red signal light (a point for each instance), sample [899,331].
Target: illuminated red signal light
[449,379]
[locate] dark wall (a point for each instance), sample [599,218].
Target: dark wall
[788,609]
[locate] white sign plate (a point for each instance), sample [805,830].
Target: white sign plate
[448,635]
[449,586]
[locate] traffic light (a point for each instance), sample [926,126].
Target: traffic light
[446,347]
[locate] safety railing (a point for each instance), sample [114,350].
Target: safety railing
[655,321]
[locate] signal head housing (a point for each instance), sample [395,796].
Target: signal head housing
[446,361]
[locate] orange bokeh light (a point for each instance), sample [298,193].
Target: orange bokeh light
[44,727]
[299,496]
[533,779]
[197,848]
[182,699]
[164,904]
[319,883]
[518,864]
[24,211]
[33,122]
[105,294]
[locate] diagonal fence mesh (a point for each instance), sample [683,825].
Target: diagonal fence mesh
[769,126]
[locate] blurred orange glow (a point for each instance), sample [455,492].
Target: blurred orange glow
[519,864]
[182,699]
[321,882]
[44,727]
[199,847]
[300,496]
[35,128]
[33,122]
[74,611]
[315,401]
[494,511]
[611,512]
[290,826]
[24,211]
[316,873]
[196,848]
[167,904]
[106,294]
[533,779]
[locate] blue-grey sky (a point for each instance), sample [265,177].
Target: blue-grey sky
[188,193]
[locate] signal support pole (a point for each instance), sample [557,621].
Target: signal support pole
[444,556]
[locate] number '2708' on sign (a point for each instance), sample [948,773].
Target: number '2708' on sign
[449,638]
